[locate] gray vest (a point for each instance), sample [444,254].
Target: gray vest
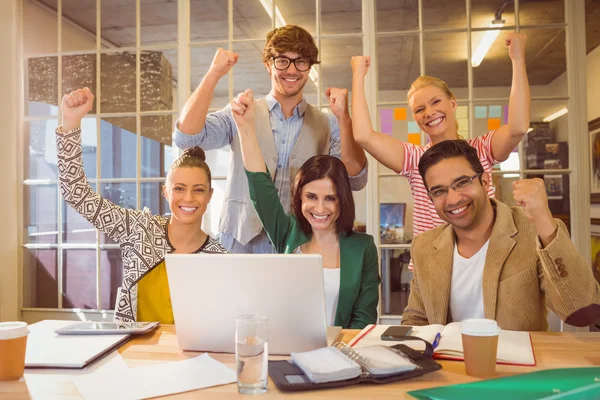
[238,217]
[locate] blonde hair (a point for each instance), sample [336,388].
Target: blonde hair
[193,157]
[424,81]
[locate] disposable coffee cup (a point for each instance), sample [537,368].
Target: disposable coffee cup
[13,342]
[480,345]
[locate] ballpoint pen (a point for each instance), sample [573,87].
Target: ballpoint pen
[436,341]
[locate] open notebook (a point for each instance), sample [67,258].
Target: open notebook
[514,347]
[340,362]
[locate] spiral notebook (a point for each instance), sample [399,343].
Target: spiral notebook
[340,365]
[340,362]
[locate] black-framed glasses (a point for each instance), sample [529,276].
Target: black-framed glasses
[282,63]
[459,186]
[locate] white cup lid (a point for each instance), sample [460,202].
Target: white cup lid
[480,327]
[12,330]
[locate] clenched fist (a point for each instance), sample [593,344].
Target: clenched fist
[222,62]
[516,46]
[530,194]
[338,100]
[75,106]
[242,109]
[360,65]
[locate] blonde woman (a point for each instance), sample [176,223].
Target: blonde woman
[434,107]
[144,238]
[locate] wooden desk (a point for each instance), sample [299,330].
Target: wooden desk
[552,350]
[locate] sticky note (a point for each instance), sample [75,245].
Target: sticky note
[385,114]
[414,138]
[493,123]
[386,126]
[462,112]
[463,124]
[400,114]
[495,111]
[480,111]
[413,127]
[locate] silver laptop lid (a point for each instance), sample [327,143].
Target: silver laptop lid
[209,291]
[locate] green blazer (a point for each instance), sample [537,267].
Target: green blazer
[359,274]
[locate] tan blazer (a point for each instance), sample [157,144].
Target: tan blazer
[520,279]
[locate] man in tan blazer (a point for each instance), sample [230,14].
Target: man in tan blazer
[491,260]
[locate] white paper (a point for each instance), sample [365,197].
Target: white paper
[111,381]
[47,349]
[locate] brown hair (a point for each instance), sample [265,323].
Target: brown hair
[450,149]
[424,81]
[194,157]
[290,38]
[321,167]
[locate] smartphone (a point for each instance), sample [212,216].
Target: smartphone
[396,332]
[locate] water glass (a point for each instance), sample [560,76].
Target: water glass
[251,353]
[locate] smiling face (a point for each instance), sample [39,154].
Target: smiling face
[188,192]
[435,112]
[320,204]
[287,83]
[466,209]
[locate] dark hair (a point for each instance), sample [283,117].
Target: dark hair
[194,157]
[291,38]
[321,167]
[449,149]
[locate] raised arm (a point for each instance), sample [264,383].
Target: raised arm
[74,187]
[351,154]
[565,277]
[385,149]
[507,137]
[263,193]
[193,115]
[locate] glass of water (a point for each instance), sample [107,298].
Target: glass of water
[251,353]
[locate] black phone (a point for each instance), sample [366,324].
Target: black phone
[396,332]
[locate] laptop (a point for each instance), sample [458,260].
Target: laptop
[208,291]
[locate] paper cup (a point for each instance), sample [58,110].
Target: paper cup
[480,346]
[13,342]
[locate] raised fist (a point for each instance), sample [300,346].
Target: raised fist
[75,106]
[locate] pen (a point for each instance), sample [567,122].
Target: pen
[436,341]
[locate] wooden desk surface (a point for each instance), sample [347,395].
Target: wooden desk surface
[552,350]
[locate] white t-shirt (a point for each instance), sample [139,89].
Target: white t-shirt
[331,278]
[466,291]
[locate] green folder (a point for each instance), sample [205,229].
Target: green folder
[564,383]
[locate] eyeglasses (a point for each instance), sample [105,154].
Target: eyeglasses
[282,63]
[459,186]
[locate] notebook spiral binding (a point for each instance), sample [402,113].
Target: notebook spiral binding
[354,356]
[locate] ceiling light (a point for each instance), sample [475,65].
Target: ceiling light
[555,115]
[268,6]
[486,43]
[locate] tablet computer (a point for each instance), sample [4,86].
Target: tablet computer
[107,328]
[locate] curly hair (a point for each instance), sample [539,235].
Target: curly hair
[290,38]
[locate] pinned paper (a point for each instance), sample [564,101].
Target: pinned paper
[386,127]
[413,127]
[414,138]
[480,112]
[495,111]
[462,112]
[400,114]
[385,114]
[493,124]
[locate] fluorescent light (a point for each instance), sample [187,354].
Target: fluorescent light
[268,6]
[485,44]
[555,115]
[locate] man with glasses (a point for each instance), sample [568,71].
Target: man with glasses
[491,260]
[289,130]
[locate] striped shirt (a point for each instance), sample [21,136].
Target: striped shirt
[219,130]
[424,215]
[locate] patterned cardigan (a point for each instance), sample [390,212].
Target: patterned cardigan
[142,236]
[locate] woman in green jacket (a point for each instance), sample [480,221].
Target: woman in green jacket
[321,223]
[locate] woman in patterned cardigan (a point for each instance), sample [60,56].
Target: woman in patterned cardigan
[144,238]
